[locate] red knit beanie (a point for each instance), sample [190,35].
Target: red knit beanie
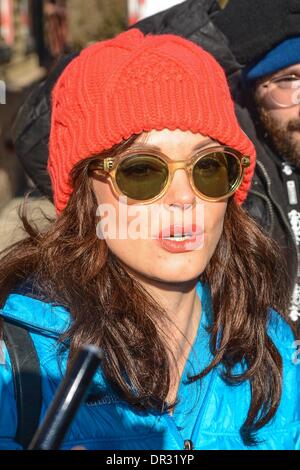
[135,83]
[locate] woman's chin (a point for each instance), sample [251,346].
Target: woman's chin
[169,269]
[171,276]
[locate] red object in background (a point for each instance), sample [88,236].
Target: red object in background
[6,21]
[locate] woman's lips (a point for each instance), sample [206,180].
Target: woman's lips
[170,238]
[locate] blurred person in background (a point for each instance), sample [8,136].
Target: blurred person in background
[56,26]
[265,39]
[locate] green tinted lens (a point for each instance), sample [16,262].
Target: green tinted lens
[142,177]
[216,174]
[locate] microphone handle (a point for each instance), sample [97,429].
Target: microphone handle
[67,399]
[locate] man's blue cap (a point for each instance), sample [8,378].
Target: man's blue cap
[285,54]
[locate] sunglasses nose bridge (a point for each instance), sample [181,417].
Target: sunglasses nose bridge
[180,165]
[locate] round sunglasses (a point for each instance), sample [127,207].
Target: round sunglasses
[144,176]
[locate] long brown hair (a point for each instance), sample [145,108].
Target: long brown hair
[74,268]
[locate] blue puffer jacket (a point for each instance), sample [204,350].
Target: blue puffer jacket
[209,413]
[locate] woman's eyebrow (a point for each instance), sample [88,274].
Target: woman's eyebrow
[155,147]
[145,146]
[204,144]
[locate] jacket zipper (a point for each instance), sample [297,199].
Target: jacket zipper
[203,408]
[174,431]
[189,444]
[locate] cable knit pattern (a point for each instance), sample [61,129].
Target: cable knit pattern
[135,83]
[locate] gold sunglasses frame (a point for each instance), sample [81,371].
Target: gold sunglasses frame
[108,167]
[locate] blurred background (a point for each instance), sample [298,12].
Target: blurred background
[33,34]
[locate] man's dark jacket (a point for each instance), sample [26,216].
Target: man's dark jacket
[194,20]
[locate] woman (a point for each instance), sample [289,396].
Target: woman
[190,315]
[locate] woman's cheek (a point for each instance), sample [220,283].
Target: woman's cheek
[214,215]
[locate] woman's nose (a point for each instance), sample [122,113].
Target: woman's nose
[180,192]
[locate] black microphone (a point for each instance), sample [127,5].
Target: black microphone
[67,399]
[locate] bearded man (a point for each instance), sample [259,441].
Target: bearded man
[264,37]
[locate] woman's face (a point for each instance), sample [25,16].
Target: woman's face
[143,239]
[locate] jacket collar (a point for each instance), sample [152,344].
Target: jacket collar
[43,317]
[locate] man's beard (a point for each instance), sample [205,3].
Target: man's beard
[282,137]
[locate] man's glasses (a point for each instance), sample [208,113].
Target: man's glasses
[283,91]
[144,176]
